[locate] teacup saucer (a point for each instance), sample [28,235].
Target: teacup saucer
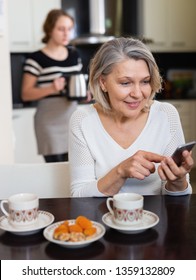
[149,220]
[44,219]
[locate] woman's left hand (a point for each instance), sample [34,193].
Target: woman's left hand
[59,84]
[173,174]
[88,99]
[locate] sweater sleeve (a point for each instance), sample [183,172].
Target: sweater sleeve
[82,172]
[188,190]
[177,138]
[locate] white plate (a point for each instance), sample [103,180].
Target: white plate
[44,219]
[149,220]
[48,234]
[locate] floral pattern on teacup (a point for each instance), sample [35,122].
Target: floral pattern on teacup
[128,215]
[24,215]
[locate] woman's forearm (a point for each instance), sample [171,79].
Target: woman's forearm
[36,93]
[111,183]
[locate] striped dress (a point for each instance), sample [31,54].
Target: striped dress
[53,112]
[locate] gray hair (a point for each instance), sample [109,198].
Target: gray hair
[113,52]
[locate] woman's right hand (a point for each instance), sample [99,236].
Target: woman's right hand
[140,165]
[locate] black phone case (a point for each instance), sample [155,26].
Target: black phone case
[177,155]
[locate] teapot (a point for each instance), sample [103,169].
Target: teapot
[77,89]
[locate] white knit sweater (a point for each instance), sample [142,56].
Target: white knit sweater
[93,152]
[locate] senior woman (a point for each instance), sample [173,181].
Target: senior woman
[124,141]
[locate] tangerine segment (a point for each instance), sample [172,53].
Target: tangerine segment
[90,231]
[75,228]
[83,222]
[66,223]
[62,228]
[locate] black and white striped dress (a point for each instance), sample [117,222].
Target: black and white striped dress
[53,112]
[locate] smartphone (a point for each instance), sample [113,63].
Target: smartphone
[177,155]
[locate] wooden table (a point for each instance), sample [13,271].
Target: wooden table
[174,237]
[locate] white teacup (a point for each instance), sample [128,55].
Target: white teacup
[22,209]
[127,208]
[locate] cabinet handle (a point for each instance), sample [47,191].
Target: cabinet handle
[147,40]
[159,43]
[16,117]
[20,43]
[178,44]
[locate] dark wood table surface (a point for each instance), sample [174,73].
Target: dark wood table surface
[174,237]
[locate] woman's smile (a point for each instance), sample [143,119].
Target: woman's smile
[132,105]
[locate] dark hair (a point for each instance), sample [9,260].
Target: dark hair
[50,22]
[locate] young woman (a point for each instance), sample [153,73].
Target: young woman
[124,142]
[44,80]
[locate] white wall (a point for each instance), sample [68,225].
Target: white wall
[6,132]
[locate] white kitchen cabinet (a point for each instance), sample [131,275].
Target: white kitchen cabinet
[25,146]
[187,112]
[25,20]
[182,22]
[154,22]
[169,24]
[20,25]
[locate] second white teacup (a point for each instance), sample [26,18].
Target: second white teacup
[127,209]
[22,209]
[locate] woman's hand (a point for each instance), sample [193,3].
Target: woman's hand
[59,84]
[88,99]
[176,175]
[140,165]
